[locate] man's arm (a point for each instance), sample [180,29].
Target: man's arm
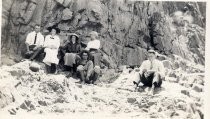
[89,68]
[27,47]
[161,69]
[142,68]
[28,42]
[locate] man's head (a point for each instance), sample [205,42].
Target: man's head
[37,28]
[93,35]
[85,55]
[151,54]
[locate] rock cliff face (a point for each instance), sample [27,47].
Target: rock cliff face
[126,28]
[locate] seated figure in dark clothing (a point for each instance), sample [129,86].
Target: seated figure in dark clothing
[70,52]
[86,70]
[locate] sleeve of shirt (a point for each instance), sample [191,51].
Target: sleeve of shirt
[161,69]
[28,39]
[46,41]
[88,46]
[142,67]
[98,44]
[58,43]
[41,43]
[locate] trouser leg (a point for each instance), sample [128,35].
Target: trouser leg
[157,81]
[80,71]
[95,74]
[36,53]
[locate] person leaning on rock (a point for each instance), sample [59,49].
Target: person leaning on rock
[34,42]
[151,72]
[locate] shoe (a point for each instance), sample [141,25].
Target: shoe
[135,83]
[69,75]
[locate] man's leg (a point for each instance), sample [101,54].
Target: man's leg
[96,74]
[36,53]
[156,82]
[80,71]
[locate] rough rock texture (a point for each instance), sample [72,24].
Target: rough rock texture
[36,93]
[126,28]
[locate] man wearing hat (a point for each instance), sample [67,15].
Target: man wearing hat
[151,72]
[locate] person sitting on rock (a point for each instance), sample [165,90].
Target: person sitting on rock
[86,71]
[51,44]
[151,72]
[93,47]
[34,42]
[71,50]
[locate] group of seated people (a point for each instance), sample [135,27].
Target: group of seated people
[85,62]
[79,61]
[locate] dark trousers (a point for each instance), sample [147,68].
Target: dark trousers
[148,81]
[36,53]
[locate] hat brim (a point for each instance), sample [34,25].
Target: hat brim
[152,51]
[73,34]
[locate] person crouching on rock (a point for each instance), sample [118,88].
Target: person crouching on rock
[151,72]
[51,44]
[71,50]
[86,71]
[34,42]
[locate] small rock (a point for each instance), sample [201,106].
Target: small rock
[172,74]
[172,79]
[67,14]
[181,106]
[27,105]
[34,67]
[175,65]
[131,100]
[167,64]
[197,87]
[43,103]
[185,92]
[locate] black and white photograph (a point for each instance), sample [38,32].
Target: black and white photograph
[94,59]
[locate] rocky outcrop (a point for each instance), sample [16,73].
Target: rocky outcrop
[127,28]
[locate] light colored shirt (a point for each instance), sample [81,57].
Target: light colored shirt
[51,53]
[52,41]
[31,38]
[155,65]
[95,44]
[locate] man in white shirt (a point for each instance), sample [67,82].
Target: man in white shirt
[151,72]
[34,42]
